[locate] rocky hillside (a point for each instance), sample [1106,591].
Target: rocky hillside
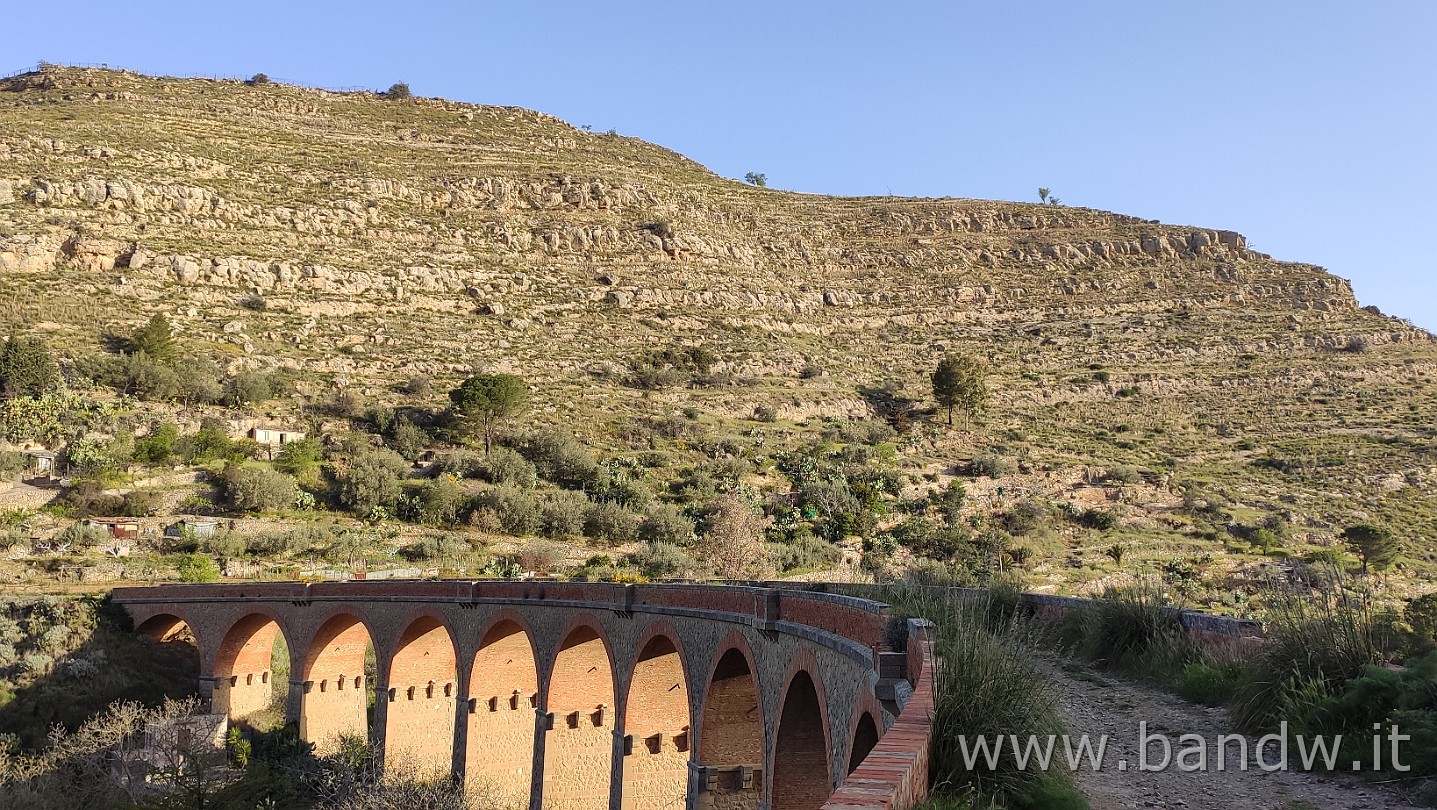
[386,237]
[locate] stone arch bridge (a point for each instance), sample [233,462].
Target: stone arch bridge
[582,696]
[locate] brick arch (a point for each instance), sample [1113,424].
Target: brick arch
[657,723]
[578,745]
[801,742]
[243,666]
[421,699]
[336,688]
[165,628]
[731,730]
[503,692]
[865,738]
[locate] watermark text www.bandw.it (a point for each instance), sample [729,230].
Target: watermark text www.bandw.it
[1190,753]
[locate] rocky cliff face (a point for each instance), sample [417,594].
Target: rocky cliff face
[389,237]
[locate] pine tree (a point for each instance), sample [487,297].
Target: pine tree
[484,400]
[1375,545]
[156,339]
[27,369]
[958,382]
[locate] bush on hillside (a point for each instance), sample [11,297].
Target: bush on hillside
[370,479]
[610,522]
[516,510]
[460,464]
[562,513]
[991,465]
[197,568]
[257,489]
[663,561]
[440,502]
[562,459]
[667,524]
[507,466]
[541,556]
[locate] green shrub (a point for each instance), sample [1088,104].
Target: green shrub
[1134,629]
[1331,557]
[1123,474]
[991,683]
[36,663]
[257,489]
[610,522]
[1101,519]
[407,438]
[1211,684]
[197,568]
[864,431]
[97,457]
[440,547]
[804,552]
[417,385]
[663,368]
[663,560]
[210,443]
[507,466]
[1315,643]
[138,503]
[668,525]
[560,458]
[1026,517]
[991,465]
[517,510]
[1421,616]
[80,536]
[440,502]
[461,464]
[562,513]
[371,479]
[26,368]
[301,459]
[248,388]
[159,445]
[1377,697]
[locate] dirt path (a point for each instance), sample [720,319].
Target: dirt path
[1098,704]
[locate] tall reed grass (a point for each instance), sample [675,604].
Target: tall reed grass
[991,681]
[1316,643]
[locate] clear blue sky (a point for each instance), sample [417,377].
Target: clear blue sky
[1308,125]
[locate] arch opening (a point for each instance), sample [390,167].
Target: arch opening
[731,738]
[503,694]
[174,647]
[251,672]
[801,751]
[338,682]
[865,738]
[579,743]
[419,723]
[657,729]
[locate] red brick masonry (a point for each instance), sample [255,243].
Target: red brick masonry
[894,775]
